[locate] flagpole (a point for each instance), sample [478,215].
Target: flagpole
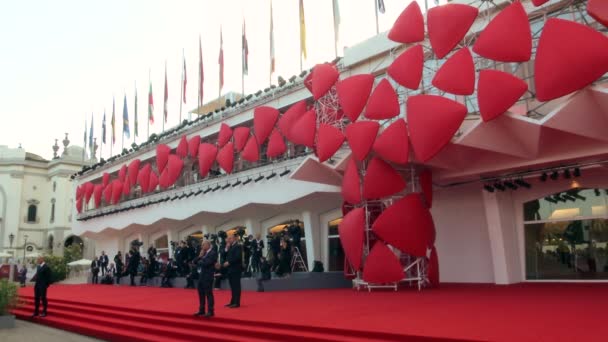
[181,93]
[300,9]
[377,24]
[103,130]
[135,116]
[122,139]
[336,26]
[149,84]
[164,99]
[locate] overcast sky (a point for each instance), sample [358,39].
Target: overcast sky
[62,60]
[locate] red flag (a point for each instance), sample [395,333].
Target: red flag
[166,94]
[201,75]
[185,79]
[221,61]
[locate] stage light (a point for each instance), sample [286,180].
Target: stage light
[577,172]
[207,190]
[576,195]
[225,186]
[499,186]
[258,179]
[488,188]
[543,177]
[554,175]
[271,175]
[216,188]
[284,173]
[247,181]
[236,183]
[569,198]
[198,192]
[510,185]
[567,174]
[557,197]
[523,183]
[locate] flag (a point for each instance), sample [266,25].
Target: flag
[245,51]
[135,120]
[166,95]
[85,136]
[113,123]
[302,30]
[185,79]
[336,8]
[91,132]
[103,128]
[150,105]
[381,7]
[221,61]
[271,41]
[201,75]
[125,119]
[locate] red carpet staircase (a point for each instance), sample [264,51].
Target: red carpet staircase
[117,324]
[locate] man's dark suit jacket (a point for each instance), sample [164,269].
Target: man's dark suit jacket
[206,266]
[235,259]
[43,277]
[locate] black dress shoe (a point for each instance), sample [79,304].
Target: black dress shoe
[234,306]
[199,314]
[43,314]
[209,314]
[35,315]
[228,305]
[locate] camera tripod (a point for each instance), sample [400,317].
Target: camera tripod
[297,261]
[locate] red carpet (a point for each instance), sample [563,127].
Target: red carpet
[523,312]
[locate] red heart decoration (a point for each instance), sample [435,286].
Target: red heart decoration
[329,140]
[432,121]
[122,173]
[407,68]
[224,135]
[498,91]
[508,37]
[598,9]
[162,155]
[570,56]
[264,118]
[241,134]
[382,265]
[225,157]
[206,156]
[153,182]
[351,231]
[251,152]
[353,93]
[457,74]
[409,26]
[351,183]
[303,131]
[448,24]
[182,147]
[276,145]
[290,117]
[383,103]
[105,180]
[406,225]
[193,145]
[323,78]
[381,180]
[393,143]
[361,136]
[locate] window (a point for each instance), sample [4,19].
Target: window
[52,210]
[334,247]
[162,247]
[566,235]
[31,213]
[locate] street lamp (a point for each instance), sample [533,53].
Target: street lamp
[11,237]
[24,245]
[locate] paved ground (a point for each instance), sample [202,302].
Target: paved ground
[26,331]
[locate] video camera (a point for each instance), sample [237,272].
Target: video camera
[136,243]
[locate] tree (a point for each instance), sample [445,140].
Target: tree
[58,266]
[72,253]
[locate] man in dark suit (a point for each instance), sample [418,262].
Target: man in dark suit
[205,267]
[234,266]
[133,264]
[43,280]
[104,263]
[95,271]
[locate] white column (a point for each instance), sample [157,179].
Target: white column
[313,238]
[254,227]
[169,239]
[502,232]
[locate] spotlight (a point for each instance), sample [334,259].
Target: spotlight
[236,183]
[258,179]
[567,174]
[247,181]
[569,198]
[510,185]
[576,195]
[225,186]
[216,188]
[198,192]
[499,186]
[543,177]
[271,175]
[558,198]
[577,172]
[554,175]
[523,183]
[488,188]
[284,173]
[207,190]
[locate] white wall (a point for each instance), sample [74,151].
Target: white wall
[462,238]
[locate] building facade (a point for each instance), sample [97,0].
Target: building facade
[518,198]
[36,200]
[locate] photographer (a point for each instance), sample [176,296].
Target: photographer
[295,231]
[95,271]
[152,259]
[169,273]
[133,265]
[284,268]
[265,273]
[275,247]
[119,266]
[257,249]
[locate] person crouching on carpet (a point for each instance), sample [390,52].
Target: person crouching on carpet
[43,281]
[205,267]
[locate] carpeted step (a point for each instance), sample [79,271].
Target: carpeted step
[93,330]
[259,329]
[192,324]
